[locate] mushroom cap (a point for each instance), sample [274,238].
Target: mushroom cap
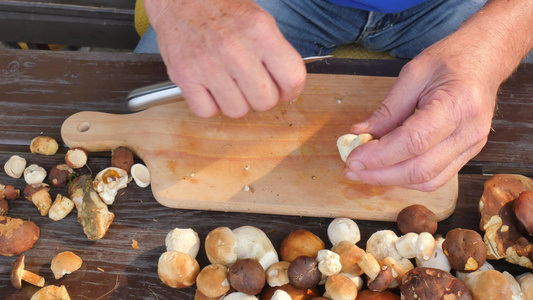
[417,218]
[343,229]
[65,263]
[16,272]
[247,276]
[303,272]
[523,209]
[429,284]
[465,249]
[51,292]
[141,175]
[383,280]
[177,269]
[213,281]
[183,240]
[252,242]
[220,246]
[296,294]
[300,242]
[490,284]
[340,287]
[349,255]
[373,295]
[239,296]
[17,235]
[382,244]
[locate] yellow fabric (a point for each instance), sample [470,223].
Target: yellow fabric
[141,19]
[345,51]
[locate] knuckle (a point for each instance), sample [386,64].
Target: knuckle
[423,173]
[417,143]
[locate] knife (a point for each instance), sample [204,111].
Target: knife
[167,92]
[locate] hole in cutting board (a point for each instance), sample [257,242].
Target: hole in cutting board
[84,126]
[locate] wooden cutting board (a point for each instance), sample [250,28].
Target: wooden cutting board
[284,161]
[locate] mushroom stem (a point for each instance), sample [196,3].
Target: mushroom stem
[32,278]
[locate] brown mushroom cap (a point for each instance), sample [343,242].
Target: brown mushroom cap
[213,281]
[220,246]
[296,294]
[490,284]
[465,249]
[373,295]
[417,218]
[247,276]
[341,287]
[303,272]
[298,243]
[523,209]
[122,158]
[430,284]
[383,280]
[51,292]
[65,263]
[4,207]
[16,235]
[177,269]
[350,254]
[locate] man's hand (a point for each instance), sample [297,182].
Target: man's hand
[438,114]
[226,55]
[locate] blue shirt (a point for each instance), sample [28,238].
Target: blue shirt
[381,6]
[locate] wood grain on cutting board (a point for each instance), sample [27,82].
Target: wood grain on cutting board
[283,161]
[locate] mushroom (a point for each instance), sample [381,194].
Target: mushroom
[382,244]
[4,207]
[9,192]
[429,284]
[122,158]
[348,142]
[18,274]
[16,236]
[343,229]
[65,263]
[437,259]
[303,272]
[76,191]
[239,296]
[15,166]
[464,256]
[522,208]
[413,245]
[356,279]
[515,286]
[76,158]
[295,293]
[349,256]
[44,145]
[253,243]
[247,276]
[300,242]
[94,217]
[183,240]
[141,175]
[177,269]
[51,292]
[34,174]
[277,274]
[398,268]
[212,281]
[61,207]
[328,262]
[373,295]
[503,237]
[417,218]
[60,174]
[108,181]
[281,295]
[340,287]
[38,194]
[220,244]
[526,285]
[489,284]
[485,267]
[383,280]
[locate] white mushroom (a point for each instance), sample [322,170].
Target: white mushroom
[343,229]
[183,240]
[108,181]
[425,244]
[369,265]
[382,244]
[34,174]
[406,245]
[281,295]
[526,285]
[438,259]
[238,296]
[399,268]
[61,207]
[141,175]
[15,166]
[348,142]
[356,279]
[253,243]
[277,274]
[328,262]
[515,286]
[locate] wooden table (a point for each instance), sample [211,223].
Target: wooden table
[38,90]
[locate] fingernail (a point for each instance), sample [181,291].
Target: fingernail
[356,166]
[352,176]
[360,127]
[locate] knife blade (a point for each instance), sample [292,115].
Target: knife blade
[167,92]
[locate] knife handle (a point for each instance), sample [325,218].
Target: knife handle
[155,94]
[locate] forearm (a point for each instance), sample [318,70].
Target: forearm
[496,38]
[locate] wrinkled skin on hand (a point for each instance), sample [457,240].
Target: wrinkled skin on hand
[226,55]
[435,118]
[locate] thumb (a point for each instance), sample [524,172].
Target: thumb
[399,104]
